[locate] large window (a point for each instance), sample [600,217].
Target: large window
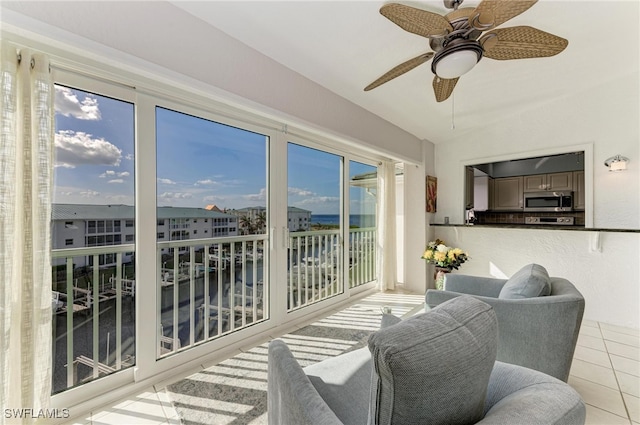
[238,206]
[93,291]
[212,188]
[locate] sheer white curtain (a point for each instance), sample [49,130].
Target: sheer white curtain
[26,169]
[387,225]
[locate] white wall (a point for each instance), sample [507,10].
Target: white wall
[605,118]
[176,44]
[607,274]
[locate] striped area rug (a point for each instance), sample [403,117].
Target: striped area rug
[234,391]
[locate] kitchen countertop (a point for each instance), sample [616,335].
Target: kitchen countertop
[538,226]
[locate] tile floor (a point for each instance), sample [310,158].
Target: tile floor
[605,371]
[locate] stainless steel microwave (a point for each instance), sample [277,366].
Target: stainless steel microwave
[548,201]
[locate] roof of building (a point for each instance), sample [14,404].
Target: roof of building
[114,212]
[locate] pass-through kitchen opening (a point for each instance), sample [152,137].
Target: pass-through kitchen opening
[545,190]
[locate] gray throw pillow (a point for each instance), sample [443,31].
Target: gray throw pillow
[434,368]
[530,281]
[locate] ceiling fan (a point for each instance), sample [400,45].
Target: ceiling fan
[457,41]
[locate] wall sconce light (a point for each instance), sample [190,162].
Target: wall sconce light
[617,163]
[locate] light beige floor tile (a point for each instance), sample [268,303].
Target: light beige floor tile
[599,396]
[590,331]
[169,411]
[628,383]
[173,379]
[126,417]
[594,373]
[590,323]
[173,421]
[84,421]
[597,343]
[621,338]
[623,350]
[145,409]
[623,364]
[633,406]
[597,416]
[620,329]
[592,356]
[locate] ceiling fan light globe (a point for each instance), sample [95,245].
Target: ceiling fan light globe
[456,64]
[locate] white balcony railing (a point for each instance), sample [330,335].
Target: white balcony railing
[210,287]
[89,303]
[207,288]
[315,264]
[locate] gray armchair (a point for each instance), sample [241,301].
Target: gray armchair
[538,332]
[437,368]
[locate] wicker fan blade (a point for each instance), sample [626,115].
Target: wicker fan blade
[417,21]
[491,13]
[443,88]
[400,69]
[521,43]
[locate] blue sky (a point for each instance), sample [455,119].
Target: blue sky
[199,162]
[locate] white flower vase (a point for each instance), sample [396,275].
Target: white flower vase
[440,276]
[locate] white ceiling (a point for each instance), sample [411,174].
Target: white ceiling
[344,46]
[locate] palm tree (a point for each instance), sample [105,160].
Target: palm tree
[261,222]
[246,224]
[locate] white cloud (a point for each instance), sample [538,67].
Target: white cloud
[89,193]
[166,181]
[299,192]
[261,196]
[68,104]
[320,200]
[175,195]
[116,181]
[206,182]
[212,198]
[111,173]
[64,165]
[79,148]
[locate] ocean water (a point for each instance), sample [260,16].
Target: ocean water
[360,220]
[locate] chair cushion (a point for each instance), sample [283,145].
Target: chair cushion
[434,367]
[530,281]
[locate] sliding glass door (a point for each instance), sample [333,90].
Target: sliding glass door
[363,189]
[211,229]
[215,231]
[314,216]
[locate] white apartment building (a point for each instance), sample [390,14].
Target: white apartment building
[80,226]
[298,219]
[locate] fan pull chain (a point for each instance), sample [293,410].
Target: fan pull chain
[453,123]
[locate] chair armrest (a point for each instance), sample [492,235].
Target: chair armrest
[474,285]
[515,393]
[291,397]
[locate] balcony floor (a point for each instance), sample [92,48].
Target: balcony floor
[605,371]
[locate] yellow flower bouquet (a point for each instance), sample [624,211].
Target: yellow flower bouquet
[438,253]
